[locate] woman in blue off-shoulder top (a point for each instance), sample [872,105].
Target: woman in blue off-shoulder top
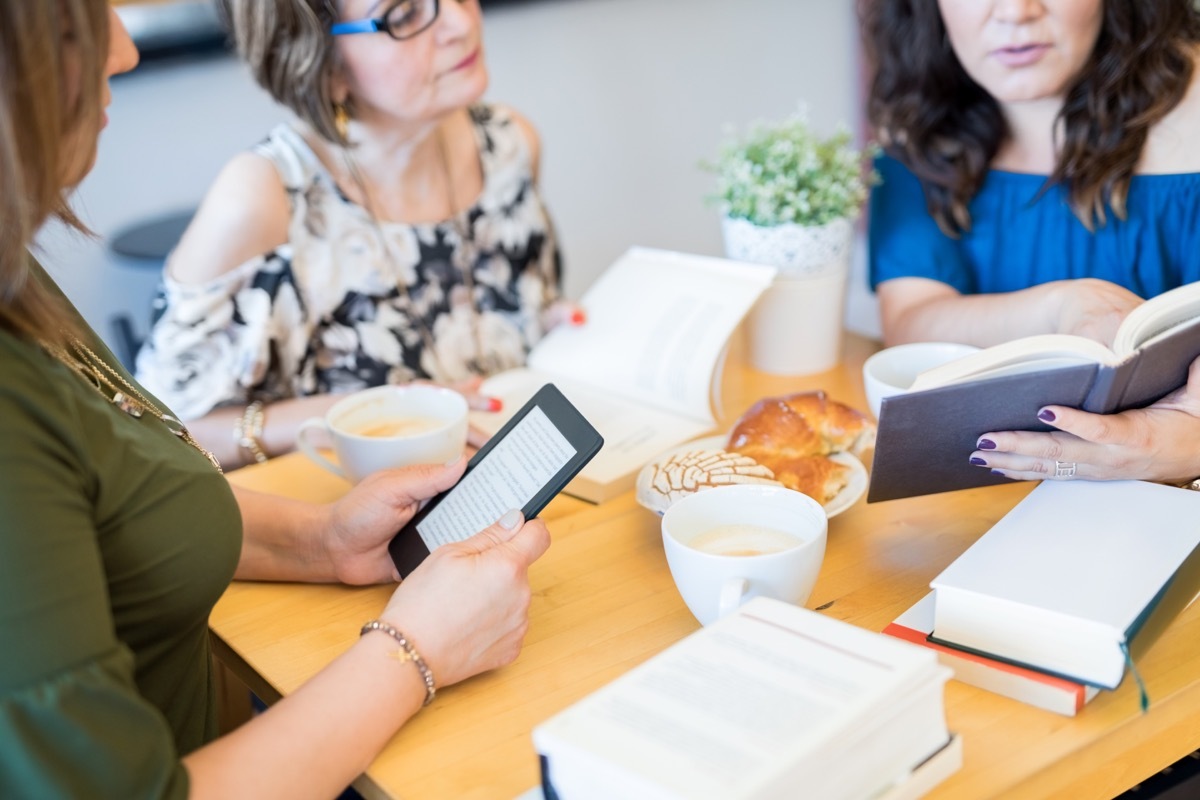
[1041,175]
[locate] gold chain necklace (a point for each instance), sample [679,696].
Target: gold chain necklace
[97,373]
[466,261]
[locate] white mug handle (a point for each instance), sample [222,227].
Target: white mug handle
[306,447]
[733,593]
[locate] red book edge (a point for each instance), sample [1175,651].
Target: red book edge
[918,638]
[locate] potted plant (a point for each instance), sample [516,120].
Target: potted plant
[789,198]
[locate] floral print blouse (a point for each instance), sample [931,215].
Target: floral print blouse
[335,310]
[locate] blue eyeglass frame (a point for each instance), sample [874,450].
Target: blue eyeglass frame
[379,24]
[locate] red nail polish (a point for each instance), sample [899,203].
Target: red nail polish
[578,317]
[495,404]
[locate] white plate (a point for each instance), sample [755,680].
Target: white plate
[848,496]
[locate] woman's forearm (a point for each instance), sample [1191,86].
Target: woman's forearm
[281,421]
[314,742]
[281,539]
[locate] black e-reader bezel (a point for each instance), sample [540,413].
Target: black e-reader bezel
[408,549]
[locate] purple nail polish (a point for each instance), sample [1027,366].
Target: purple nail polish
[1046,415]
[999,472]
[987,444]
[977,461]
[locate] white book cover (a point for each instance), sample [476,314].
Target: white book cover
[1039,689]
[1061,578]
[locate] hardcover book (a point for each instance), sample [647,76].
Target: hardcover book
[1076,581]
[927,435]
[770,701]
[1050,692]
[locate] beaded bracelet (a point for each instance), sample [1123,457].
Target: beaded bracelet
[247,431]
[406,653]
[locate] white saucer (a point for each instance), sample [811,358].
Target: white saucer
[855,488]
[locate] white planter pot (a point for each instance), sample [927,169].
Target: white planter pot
[796,250]
[795,328]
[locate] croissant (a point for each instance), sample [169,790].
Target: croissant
[794,435]
[807,424]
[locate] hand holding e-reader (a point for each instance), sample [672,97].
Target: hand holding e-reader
[524,466]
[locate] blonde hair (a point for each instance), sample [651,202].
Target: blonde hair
[290,52]
[52,57]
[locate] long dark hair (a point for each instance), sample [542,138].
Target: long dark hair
[931,116]
[52,56]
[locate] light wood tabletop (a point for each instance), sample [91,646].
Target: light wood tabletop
[603,602]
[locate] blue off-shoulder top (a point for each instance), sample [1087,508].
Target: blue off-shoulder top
[1021,236]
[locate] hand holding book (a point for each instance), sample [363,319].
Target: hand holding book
[1158,443]
[1015,405]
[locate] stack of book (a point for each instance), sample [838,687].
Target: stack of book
[772,701]
[1065,593]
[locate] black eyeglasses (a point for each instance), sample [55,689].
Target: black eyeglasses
[403,20]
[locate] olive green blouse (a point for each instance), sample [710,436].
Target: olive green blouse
[116,540]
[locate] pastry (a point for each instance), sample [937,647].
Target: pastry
[819,477]
[794,435]
[682,473]
[803,424]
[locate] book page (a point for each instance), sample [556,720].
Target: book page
[633,433]
[1030,354]
[657,324]
[514,471]
[1157,318]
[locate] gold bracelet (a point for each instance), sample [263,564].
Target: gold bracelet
[406,653]
[247,431]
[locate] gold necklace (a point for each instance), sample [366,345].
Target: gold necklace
[464,257]
[97,373]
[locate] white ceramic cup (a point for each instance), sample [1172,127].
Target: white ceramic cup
[436,419]
[892,371]
[713,584]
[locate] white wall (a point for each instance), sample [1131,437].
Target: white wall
[629,95]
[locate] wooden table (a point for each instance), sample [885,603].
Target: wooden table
[603,602]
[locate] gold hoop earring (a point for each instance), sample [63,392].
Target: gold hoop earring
[341,121]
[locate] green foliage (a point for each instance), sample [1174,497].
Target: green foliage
[783,172]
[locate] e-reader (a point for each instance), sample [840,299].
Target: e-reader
[524,466]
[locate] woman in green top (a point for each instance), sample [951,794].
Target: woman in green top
[118,534]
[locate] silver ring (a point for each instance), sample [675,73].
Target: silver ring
[1064,469]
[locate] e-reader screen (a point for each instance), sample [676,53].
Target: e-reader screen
[523,466]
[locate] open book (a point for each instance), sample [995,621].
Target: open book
[927,435]
[645,369]
[1076,580]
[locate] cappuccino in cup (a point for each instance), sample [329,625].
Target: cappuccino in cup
[739,539]
[399,426]
[388,426]
[728,544]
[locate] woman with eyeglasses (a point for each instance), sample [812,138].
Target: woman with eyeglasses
[393,232]
[118,531]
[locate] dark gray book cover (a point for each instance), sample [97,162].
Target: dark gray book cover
[925,439]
